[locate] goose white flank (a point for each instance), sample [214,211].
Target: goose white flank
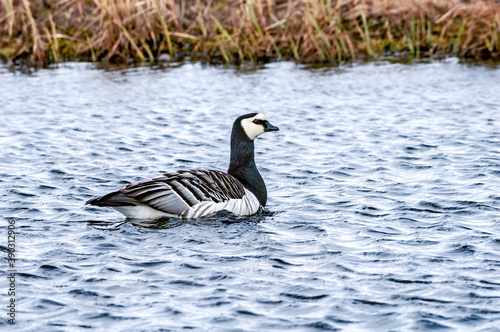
[198,193]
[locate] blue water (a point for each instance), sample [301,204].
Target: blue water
[383,210]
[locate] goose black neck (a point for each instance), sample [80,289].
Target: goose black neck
[242,165]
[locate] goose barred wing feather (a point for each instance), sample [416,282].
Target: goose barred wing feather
[176,192]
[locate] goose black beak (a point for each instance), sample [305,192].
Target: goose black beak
[269,127]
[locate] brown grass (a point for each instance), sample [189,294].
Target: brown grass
[252,30]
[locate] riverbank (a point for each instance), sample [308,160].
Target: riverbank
[228,31]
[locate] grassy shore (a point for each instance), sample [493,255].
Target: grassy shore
[234,31]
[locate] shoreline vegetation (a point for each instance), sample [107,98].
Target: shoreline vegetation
[41,32]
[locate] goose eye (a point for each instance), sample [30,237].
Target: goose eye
[258,121]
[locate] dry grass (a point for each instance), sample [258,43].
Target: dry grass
[252,30]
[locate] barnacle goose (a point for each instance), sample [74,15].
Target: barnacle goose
[198,193]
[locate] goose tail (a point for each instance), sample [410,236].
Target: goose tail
[113,199]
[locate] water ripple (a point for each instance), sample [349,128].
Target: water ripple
[383,205]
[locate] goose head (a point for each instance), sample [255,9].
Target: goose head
[255,124]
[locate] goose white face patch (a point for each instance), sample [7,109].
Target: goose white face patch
[253,129]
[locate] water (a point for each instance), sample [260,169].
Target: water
[383,210]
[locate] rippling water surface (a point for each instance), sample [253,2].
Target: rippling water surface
[384,198]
